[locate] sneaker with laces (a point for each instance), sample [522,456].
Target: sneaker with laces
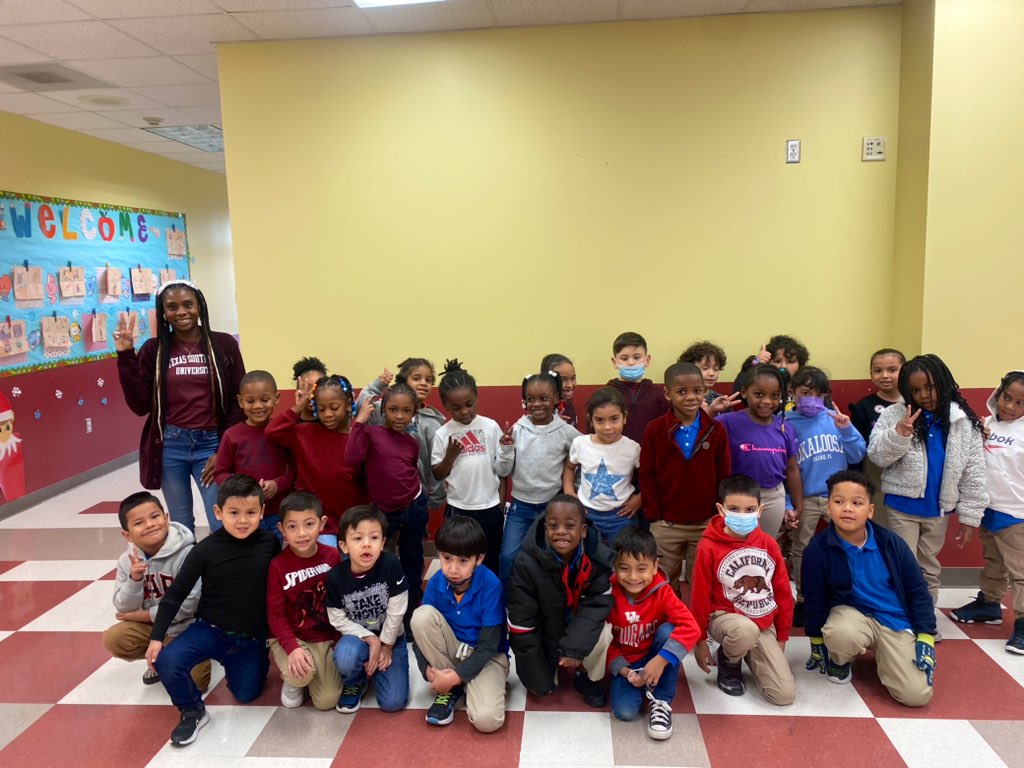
[150,677]
[838,673]
[442,711]
[591,692]
[188,726]
[350,699]
[978,611]
[1016,643]
[730,676]
[291,697]
[659,722]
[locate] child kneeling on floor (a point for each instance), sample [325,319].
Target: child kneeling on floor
[863,590]
[559,596]
[303,639]
[459,630]
[651,633]
[156,549]
[741,596]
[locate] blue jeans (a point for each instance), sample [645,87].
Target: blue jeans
[627,699]
[270,524]
[329,539]
[520,517]
[350,653]
[185,455]
[244,659]
[608,524]
[409,524]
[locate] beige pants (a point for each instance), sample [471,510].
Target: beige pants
[925,537]
[848,633]
[774,501]
[129,640]
[1004,561]
[677,542]
[485,693]
[741,639]
[323,680]
[596,662]
[815,508]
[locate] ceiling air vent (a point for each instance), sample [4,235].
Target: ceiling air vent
[48,76]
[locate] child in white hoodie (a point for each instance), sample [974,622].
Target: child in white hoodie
[1002,525]
[156,549]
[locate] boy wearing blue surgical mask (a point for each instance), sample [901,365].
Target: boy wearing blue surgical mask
[644,400]
[741,596]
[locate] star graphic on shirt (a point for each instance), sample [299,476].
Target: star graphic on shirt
[602,482]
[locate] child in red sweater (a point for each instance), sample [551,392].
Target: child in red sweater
[303,638]
[651,633]
[741,596]
[683,458]
[319,449]
[244,448]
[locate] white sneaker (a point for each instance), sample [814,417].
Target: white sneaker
[292,697]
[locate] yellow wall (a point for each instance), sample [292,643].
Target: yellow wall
[975,222]
[500,194]
[44,160]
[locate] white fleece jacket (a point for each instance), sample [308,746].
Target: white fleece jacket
[1004,463]
[904,463]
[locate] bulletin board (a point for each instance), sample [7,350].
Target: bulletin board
[71,269]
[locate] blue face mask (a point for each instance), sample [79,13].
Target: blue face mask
[810,406]
[741,523]
[632,372]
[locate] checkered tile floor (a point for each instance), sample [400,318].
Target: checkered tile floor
[63,702]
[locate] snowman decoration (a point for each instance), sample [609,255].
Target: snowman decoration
[12,460]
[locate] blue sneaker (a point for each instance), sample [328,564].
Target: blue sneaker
[351,698]
[442,711]
[978,611]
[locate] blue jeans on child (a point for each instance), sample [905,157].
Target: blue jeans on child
[244,658]
[520,517]
[608,524]
[350,653]
[627,699]
[270,524]
[185,455]
[409,524]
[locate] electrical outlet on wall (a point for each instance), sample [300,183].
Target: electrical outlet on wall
[874,148]
[793,151]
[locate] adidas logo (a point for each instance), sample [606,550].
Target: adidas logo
[473,442]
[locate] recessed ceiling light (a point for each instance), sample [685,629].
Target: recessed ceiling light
[98,100]
[383,3]
[208,138]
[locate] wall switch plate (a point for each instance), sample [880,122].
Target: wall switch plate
[88,426]
[874,148]
[793,151]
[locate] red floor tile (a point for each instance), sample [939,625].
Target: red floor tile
[967,682]
[84,736]
[6,565]
[42,667]
[838,742]
[989,631]
[271,696]
[102,508]
[387,739]
[23,601]
[109,576]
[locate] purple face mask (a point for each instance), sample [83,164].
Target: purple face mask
[810,406]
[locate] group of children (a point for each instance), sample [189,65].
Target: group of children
[676,478]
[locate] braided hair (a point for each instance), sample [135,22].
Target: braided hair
[455,377]
[1011,378]
[410,364]
[398,388]
[334,381]
[164,341]
[946,390]
[771,372]
[550,378]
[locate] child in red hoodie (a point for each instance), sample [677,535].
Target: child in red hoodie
[741,596]
[651,633]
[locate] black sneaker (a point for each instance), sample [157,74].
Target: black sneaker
[799,618]
[978,611]
[659,723]
[840,674]
[150,677]
[188,726]
[730,676]
[1016,643]
[591,692]
[442,711]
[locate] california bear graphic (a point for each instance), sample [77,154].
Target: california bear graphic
[746,584]
[745,575]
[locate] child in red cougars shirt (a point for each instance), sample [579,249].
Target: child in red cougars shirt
[741,596]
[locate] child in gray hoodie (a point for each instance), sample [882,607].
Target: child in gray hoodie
[156,549]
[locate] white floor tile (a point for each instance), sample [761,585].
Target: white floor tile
[1012,663]
[5,634]
[930,743]
[89,610]
[185,759]
[120,682]
[230,732]
[567,738]
[434,567]
[516,700]
[59,570]
[948,628]
[815,695]
[285,762]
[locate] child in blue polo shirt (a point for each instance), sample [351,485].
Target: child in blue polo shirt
[461,641]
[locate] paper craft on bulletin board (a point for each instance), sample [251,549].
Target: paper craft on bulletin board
[69,268]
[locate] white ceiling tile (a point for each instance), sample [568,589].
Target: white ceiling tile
[13,53]
[186,34]
[202,95]
[203,63]
[77,40]
[133,9]
[74,98]
[201,115]
[33,11]
[430,17]
[188,154]
[29,104]
[152,146]
[76,121]
[321,22]
[235,6]
[537,12]
[674,9]
[126,136]
[134,117]
[140,72]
